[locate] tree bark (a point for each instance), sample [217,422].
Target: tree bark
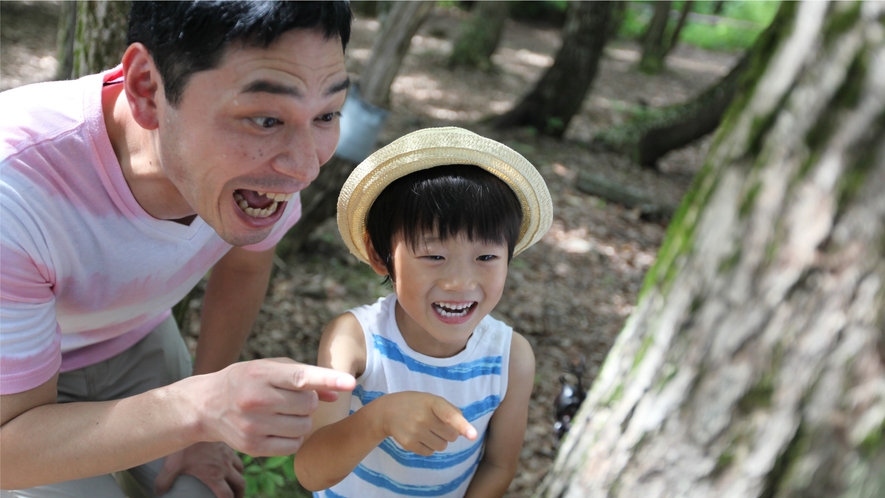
[480,35]
[653,45]
[754,362]
[67,27]
[320,199]
[100,38]
[558,95]
[650,135]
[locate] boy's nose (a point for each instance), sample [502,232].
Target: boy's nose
[458,280]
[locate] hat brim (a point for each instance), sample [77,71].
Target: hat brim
[433,147]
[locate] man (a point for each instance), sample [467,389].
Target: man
[118,192]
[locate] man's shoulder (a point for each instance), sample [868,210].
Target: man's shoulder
[40,112]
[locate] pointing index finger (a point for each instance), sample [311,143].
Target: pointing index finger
[300,377]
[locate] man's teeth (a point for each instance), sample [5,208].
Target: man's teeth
[264,212]
[453,309]
[277,197]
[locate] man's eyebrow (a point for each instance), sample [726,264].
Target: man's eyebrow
[338,87]
[264,86]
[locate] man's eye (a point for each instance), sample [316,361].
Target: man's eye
[266,122]
[328,118]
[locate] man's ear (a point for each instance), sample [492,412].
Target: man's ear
[141,82]
[375,261]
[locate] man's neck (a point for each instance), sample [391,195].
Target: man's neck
[134,148]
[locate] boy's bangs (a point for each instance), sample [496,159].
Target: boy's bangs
[451,201]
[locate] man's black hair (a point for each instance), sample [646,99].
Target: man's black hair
[187,37]
[447,201]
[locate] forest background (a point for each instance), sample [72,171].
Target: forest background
[571,294]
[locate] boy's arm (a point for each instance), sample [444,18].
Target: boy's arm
[421,423]
[507,427]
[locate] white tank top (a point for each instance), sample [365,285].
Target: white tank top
[474,380]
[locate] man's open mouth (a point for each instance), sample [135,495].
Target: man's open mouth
[260,204]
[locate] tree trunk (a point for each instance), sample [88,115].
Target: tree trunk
[754,362]
[479,35]
[67,27]
[558,95]
[320,199]
[390,48]
[653,133]
[100,38]
[673,39]
[653,45]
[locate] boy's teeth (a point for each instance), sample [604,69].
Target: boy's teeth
[453,309]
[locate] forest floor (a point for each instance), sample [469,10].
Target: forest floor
[571,293]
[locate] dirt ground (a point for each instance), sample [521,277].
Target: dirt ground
[569,294]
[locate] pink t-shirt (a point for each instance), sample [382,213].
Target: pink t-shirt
[85,272]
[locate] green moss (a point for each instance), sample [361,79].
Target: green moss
[874,443]
[726,458]
[856,174]
[760,56]
[728,264]
[749,200]
[841,19]
[669,372]
[797,447]
[616,395]
[759,396]
[647,341]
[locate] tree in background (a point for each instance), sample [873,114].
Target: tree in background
[319,200]
[92,36]
[558,95]
[479,35]
[754,362]
[653,132]
[658,40]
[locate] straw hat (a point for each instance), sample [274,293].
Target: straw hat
[433,147]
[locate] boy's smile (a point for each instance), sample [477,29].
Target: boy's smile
[444,289]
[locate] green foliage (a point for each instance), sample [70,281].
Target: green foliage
[751,17]
[272,477]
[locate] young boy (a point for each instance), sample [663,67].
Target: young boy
[439,212]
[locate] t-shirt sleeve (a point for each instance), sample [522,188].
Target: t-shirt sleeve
[290,217]
[30,338]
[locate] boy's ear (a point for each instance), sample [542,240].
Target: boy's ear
[375,261]
[141,82]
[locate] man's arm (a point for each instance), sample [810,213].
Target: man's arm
[507,426]
[236,288]
[260,407]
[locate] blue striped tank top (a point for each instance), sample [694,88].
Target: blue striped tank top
[474,380]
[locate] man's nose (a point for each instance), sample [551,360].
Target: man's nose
[298,158]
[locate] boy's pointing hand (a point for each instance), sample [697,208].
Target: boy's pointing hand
[422,423]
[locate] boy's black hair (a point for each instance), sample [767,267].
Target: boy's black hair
[187,37]
[448,201]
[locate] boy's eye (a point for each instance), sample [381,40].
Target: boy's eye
[434,257]
[266,122]
[487,257]
[328,118]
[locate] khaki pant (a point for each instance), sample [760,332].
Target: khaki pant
[159,359]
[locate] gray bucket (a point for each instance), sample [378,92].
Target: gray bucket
[360,124]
